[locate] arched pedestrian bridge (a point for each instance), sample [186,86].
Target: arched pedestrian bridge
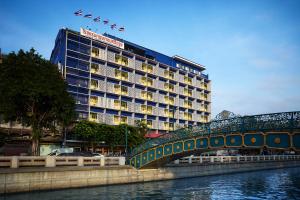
[276,131]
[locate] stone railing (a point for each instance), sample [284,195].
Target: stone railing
[56,161]
[235,159]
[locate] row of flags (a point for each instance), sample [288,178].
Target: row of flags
[98,19]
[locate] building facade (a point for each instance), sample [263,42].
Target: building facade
[114,81]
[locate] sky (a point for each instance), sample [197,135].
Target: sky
[251,49]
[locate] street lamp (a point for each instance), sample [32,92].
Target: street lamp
[126,140]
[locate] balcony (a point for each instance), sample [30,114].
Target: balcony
[120,120]
[203,109]
[204,86]
[168,74]
[168,126]
[148,123]
[168,113]
[169,100]
[187,104]
[147,95]
[147,68]
[93,117]
[94,84]
[147,109]
[187,116]
[204,119]
[94,68]
[121,75]
[93,101]
[169,87]
[187,92]
[120,90]
[147,81]
[188,80]
[204,97]
[121,60]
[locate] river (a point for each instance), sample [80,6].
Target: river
[271,184]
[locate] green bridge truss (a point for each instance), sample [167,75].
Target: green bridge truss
[276,130]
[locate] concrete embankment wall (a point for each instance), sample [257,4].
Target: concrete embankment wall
[31,179]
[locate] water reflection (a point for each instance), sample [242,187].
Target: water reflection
[272,184]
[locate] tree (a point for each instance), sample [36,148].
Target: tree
[34,93]
[89,131]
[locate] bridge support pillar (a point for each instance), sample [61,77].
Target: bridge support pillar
[221,159]
[190,160]
[201,160]
[212,159]
[238,159]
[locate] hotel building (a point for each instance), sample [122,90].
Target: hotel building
[114,81]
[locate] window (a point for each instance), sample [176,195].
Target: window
[187,104]
[147,68]
[94,84]
[116,119]
[147,122]
[169,74]
[93,116]
[117,104]
[146,109]
[94,68]
[168,126]
[124,120]
[147,95]
[117,89]
[203,97]
[203,108]
[121,60]
[120,120]
[187,116]
[188,80]
[169,113]
[124,105]
[147,81]
[93,100]
[187,92]
[169,87]
[121,74]
[124,90]
[169,100]
[95,52]
[204,119]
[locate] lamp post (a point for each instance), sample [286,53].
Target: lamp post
[126,140]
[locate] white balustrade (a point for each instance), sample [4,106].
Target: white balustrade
[235,159]
[57,161]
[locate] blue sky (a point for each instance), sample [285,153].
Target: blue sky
[251,49]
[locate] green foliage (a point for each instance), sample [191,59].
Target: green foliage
[111,135]
[33,92]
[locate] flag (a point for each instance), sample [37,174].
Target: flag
[88,15]
[78,13]
[97,19]
[122,28]
[105,21]
[113,26]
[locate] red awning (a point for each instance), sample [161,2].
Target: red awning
[153,134]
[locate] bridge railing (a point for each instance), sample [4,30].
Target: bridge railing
[57,161]
[234,159]
[265,122]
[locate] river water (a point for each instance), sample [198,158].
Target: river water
[271,184]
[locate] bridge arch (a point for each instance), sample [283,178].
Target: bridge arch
[275,131]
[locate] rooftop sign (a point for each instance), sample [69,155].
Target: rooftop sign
[101,38]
